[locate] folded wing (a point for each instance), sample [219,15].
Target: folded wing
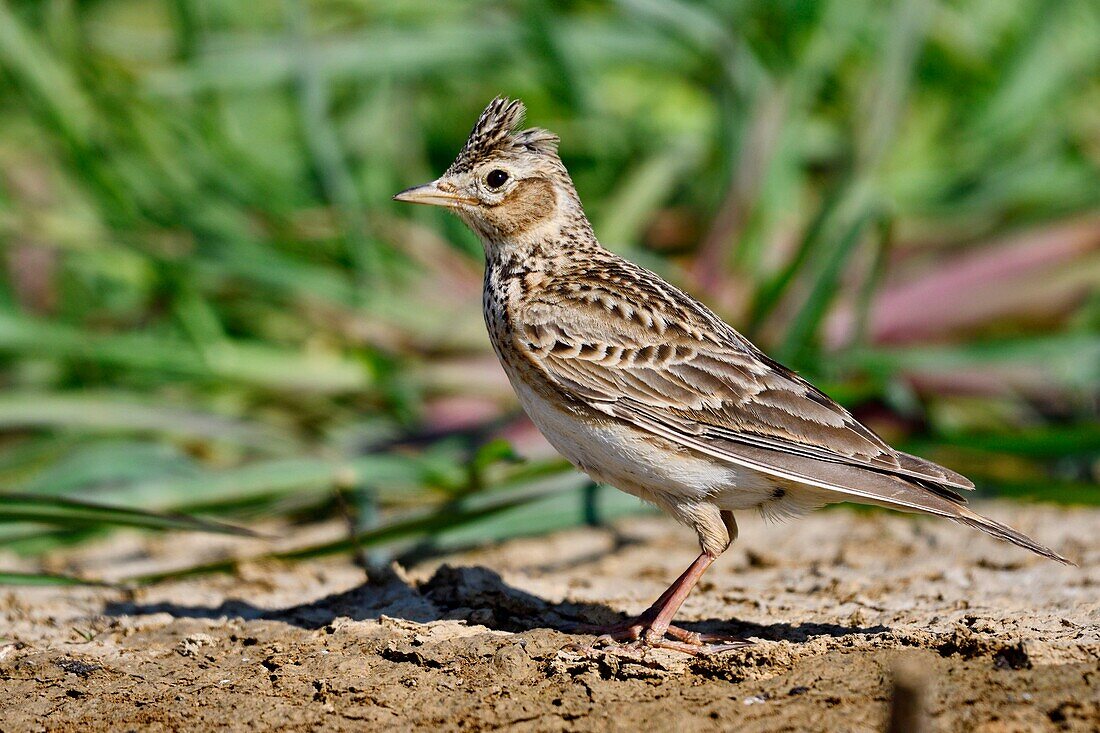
[675,369]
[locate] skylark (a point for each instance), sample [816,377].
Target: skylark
[643,387]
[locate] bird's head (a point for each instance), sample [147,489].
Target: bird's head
[507,184]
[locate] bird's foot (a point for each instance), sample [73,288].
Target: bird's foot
[633,638]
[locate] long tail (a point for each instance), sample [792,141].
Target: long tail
[1006,533]
[840,482]
[845,482]
[848,482]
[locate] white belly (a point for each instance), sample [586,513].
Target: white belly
[621,455]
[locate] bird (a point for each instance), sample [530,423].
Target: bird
[643,387]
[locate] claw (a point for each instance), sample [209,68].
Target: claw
[635,637]
[654,629]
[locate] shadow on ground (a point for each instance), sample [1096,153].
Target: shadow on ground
[474,594]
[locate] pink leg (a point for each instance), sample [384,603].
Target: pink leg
[652,626]
[670,601]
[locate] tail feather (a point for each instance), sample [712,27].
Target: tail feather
[920,467]
[1004,532]
[847,482]
[871,487]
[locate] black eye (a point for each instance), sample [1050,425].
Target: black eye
[496,178]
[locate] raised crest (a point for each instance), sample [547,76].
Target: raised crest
[497,129]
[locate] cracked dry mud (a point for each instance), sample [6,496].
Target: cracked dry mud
[1000,640]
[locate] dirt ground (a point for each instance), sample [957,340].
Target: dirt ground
[981,636]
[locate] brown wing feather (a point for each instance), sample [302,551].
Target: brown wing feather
[675,357]
[846,480]
[673,368]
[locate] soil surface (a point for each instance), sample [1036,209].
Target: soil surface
[853,615]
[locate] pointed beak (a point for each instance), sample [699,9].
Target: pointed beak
[432,194]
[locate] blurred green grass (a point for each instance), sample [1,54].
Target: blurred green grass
[209,302]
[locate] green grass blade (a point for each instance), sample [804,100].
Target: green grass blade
[43,76]
[403,529]
[395,477]
[10,577]
[1069,359]
[250,363]
[769,295]
[74,513]
[797,342]
[115,412]
[643,190]
[1080,440]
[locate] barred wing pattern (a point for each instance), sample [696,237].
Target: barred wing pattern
[676,370]
[678,365]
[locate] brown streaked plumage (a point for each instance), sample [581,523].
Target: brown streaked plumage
[643,387]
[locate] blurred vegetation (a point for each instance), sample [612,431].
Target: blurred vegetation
[209,303]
